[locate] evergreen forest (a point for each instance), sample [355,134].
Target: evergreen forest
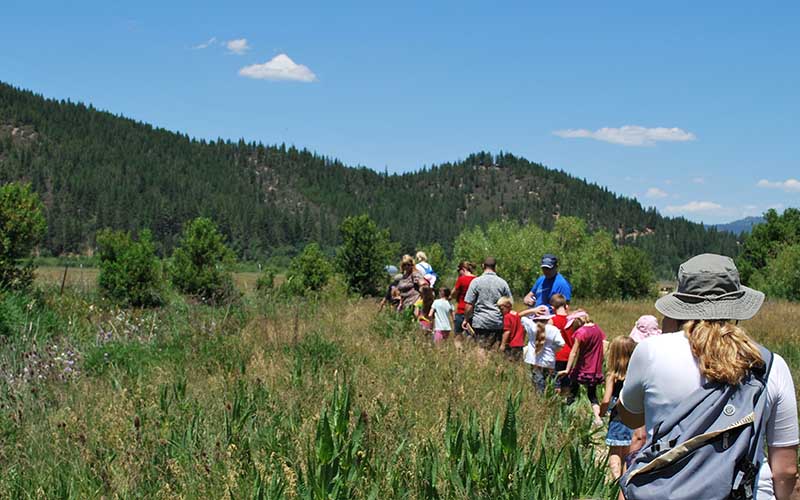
[95,170]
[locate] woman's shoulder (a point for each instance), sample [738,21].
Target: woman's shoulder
[779,381]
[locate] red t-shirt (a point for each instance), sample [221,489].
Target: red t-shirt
[560,322]
[460,291]
[513,323]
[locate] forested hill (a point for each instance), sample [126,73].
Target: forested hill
[94,169]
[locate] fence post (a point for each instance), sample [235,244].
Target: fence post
[63,279]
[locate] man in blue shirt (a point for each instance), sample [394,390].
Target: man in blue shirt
[549,283]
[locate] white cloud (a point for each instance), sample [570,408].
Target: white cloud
[630,135]
[654,192]
[238,46]
[699,180]
[280,67]
[208,43]
[789,185]
[695,207]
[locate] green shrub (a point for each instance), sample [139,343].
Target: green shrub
[364,252]
[518,250]
[781,276]
[266,280]
[636,276]
[201,262]
[767,240]
[130,271]
[309,271]
[593,264]
[22,227]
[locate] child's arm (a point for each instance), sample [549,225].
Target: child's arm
[573,357]
[506,336]
[607,395]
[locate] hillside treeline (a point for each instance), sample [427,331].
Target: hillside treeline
[95,170]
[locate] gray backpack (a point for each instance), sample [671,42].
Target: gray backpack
[708,447]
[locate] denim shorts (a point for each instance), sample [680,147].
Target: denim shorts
[619,434]
[458,320]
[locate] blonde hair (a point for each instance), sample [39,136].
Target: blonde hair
[541,326]
[407,260]
[724,351]
[505,301]
[579,322]
[619,355]
[421,257]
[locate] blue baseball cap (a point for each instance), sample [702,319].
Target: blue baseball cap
[549,261]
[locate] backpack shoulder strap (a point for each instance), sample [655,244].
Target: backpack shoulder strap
[763,372]
[747,475]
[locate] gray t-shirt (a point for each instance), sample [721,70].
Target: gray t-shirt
[483,293]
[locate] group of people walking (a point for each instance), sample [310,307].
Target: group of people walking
[647,376]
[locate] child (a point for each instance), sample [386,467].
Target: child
[646,326]
[422,306]
[585,364]
[619,435]
[392,297]
[544,340]
[442,314]
[513,339]
[561,309]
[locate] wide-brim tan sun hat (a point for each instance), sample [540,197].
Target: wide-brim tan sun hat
[709,288]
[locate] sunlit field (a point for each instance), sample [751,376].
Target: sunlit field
[275,398]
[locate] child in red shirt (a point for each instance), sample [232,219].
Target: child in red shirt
[513,331]
[561,309]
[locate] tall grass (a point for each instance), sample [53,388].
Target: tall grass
[277,399]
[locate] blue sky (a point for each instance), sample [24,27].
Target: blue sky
[690,106]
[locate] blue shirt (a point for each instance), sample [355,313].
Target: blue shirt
[544,288]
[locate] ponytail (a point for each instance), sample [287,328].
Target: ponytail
[724,351]
[540,334]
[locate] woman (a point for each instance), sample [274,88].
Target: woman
[708,346]
[466,273]
[409,283]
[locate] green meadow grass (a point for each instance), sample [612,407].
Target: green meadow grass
[269,398]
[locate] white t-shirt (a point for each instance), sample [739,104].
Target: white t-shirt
[663,371]
[441,314]
[553,341]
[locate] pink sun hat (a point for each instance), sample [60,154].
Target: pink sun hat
[576,315]
[646,326]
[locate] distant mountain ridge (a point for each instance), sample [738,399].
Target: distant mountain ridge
[739,226]
[94,169]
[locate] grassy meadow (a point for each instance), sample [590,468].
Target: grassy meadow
[269,398]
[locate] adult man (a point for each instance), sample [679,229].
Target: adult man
[480,305]
[549,283]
